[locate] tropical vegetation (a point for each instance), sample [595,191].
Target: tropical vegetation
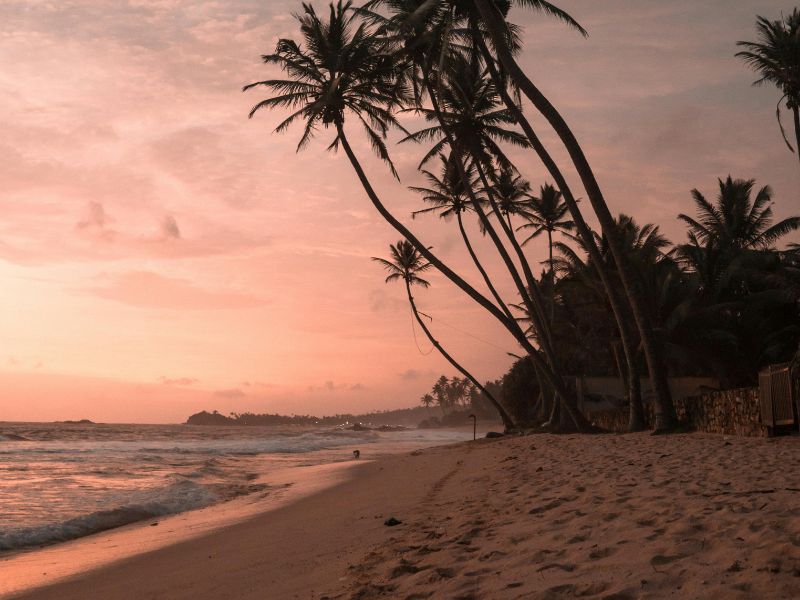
[618,299]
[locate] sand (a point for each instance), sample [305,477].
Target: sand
[607,516]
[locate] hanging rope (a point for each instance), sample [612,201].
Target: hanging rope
[414,331]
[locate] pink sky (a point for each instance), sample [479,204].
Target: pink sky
[160,254]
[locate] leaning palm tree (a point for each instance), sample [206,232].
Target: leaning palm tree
[449,195]
[343,70]
[469,118]
[491,17]
[776,58]
[407,264]
[736,220]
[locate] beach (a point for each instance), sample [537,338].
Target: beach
[539,516]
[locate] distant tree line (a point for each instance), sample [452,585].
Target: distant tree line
[403,416]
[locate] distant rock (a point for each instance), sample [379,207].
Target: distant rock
[392,522]
[209,418]
[494,434]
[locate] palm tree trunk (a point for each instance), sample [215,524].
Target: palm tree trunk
[473,199]
[507,421]
[480,268]
[616,301]
[530,295]
[552,277]
[510,324]
[666,418]
[534,304]
[796,113]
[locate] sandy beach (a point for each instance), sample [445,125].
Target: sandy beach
[608,516]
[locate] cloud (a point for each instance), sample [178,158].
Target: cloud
[146,289]
[257,384]
[179,381]
[415,374]
[330,387]
[95,217]
[230,394]
[381,301]
[169,228]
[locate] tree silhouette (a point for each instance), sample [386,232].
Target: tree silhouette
[406,264]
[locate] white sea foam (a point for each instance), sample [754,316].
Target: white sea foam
[178,497]
[62,481]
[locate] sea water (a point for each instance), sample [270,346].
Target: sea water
[60,481]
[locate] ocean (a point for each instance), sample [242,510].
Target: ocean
[60,481]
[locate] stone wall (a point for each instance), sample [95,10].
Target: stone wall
[731,412]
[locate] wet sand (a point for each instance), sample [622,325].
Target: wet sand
[610,516]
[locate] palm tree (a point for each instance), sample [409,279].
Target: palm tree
[429,40]
[472,123]
[776,58]
[440,392]
[492,20]
[427,401]
[406,264]
[345,68]
[470,109]
[449,194]
[546,214]
[511,191]
[735,221]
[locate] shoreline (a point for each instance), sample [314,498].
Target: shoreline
[37,567]
[286,481]
[540,516]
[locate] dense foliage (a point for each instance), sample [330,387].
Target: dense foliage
[618,299]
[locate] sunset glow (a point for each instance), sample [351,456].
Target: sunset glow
[162,254]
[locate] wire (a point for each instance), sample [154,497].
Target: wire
[468,334]
[416,342]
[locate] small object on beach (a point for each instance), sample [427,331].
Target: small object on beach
[356,454]
[391,522]
[154,523]
[494,434]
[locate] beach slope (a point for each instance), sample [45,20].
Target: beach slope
[607,516]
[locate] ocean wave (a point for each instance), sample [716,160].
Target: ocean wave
[177,497]
[12,437]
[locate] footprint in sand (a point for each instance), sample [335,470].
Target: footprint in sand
[577,539]
[599,553]
[570,590]
[493,555]
[568,568]
[665,559]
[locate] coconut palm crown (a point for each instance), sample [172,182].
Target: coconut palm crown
[512,191]
[472,110]
[735,220]
[448,194]
[546,213]
[341,68]
[406,264]
[776,58]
